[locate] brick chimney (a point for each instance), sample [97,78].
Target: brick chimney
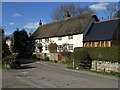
[40,23]
[67,14]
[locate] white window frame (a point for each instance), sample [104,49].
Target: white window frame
[59,38]
[70,37]
[70,47]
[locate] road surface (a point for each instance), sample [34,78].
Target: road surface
[49,75]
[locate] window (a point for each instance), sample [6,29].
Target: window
[102,44]
[89,44]
[98,44]
[93,44]
[59,38]
[47,40]
[60,47]
[70,37]
[106,44]
[85,44]
[40,40]
[46,48]
[70,47]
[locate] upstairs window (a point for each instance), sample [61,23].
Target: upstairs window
[59,38]
[70,37]
[47,40]
[40,40]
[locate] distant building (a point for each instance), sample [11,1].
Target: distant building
[9,42]
[70,31]
[101,34]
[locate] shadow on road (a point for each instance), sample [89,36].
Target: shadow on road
[26,67]
[26,61]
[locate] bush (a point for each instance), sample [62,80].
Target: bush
[46,59]
[12,61]
[107,53]
[55,61]
[66,56]
[52,47]
[38,59]
[81,58]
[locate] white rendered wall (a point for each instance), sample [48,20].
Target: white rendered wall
[77,41]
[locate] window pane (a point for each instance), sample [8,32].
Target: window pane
[106,44]
[102,44]
[70,37]
[98,44]
[59,38]
[93,44]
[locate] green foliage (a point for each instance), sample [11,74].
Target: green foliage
[55,61]
[66,56]
[52,47]
[106,53]
[11,60]
[38,59]
[20,42]
[5,50]
[46,59]
[116,74]
[81,58]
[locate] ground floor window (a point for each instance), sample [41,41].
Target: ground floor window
[106,44]
[70,47]
[98,44]
[60,47]
[46,48]
[93,44]
[102,44]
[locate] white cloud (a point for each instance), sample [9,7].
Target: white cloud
[17,15]
[32,25]
[99,6]
[11,23]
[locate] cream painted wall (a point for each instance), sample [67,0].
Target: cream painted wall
[77,41]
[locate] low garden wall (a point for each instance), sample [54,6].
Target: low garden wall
[105,66]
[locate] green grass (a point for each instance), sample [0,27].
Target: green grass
[63,62]
[5,67]
[116,74]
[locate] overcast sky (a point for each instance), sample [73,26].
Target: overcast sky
[26,15]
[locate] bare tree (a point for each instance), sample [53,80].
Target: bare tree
[59,12]
[111,10]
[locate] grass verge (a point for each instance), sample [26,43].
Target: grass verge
[116,74]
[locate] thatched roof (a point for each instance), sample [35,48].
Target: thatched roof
[70,26]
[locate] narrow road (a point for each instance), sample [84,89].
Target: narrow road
[50,75]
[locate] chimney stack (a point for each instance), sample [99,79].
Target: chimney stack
[67,14]
[40,23]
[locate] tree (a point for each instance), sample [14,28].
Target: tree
[5,48]
[52,47]
[59,12]
[111,10]
[20,42]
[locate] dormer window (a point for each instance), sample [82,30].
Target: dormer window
[59,38]
[47,40]
[70,37]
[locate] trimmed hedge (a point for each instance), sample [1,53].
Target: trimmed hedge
[102,53]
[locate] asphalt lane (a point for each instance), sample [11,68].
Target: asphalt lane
[50,75]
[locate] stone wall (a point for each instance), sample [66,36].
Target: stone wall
[105,66]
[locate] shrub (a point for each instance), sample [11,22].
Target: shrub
[66,56]
[55,61]
[38,59]
[52,47]
[46,59]
[81,58]
[12,61]
[107,53]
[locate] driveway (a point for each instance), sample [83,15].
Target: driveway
[49,75]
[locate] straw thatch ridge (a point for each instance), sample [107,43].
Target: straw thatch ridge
[69,26]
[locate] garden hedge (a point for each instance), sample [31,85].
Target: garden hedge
[102,53]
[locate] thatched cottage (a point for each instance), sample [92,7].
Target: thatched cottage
[69,31]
